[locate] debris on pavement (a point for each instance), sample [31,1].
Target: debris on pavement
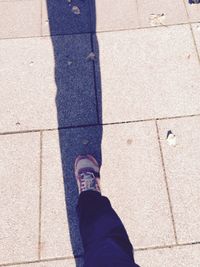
[157,19]
[31,63]
[129,141]
[91,56]
[69,62]
[85,142]
[171,138]
[76,10]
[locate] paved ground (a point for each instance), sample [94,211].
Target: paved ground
[119,103]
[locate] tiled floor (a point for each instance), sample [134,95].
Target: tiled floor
[149,66]
[184,183]
[179,256]
[19,205]
[193,12]
[16,20]
[115,94]
[161,12]
[133,179]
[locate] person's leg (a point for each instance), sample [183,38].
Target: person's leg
[104,237]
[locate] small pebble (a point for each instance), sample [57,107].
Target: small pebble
[91,56]
[76,10]
[85,142]
[129,141]
[69,62]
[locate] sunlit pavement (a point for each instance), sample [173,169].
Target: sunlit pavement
[137,80]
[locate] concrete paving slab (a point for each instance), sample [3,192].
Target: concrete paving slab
[116,15]
[60,228]
[193,11]
[161,12]
[148,66]
[38,96]
[68,17]
[20,18]
[55,263]
[148,223]
[54,224]
[187,256]
[63,263]
[132,178]
[182,169]
[19,198]
[196,30]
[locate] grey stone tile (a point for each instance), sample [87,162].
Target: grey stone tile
[116,15]
[173,12]
[55,231]
[60,19]
[20,18]
[147,223]
[94,16]
[62,263]
[196,30]
[132,178]
[148,73]
[187,256]
[182,169]
[52,85]
[19,198]
[56,263]
[60,228]
[193,11]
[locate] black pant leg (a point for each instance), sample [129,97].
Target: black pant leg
[102,231]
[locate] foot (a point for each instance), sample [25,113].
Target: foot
[87,173]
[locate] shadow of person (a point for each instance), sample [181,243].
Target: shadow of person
[72,27]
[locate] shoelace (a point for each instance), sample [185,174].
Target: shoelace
[87,181]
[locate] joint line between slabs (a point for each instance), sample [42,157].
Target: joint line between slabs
[166,183]
[80,256]
[195,43]
[193,37]
[40,196]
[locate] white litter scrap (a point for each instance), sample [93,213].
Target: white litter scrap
[157,19]
[198,27]
[69,62]
[76,10]
[91,56]
[171,138]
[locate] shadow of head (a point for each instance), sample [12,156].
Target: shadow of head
[72,26]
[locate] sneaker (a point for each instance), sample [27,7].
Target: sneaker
[87,173]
